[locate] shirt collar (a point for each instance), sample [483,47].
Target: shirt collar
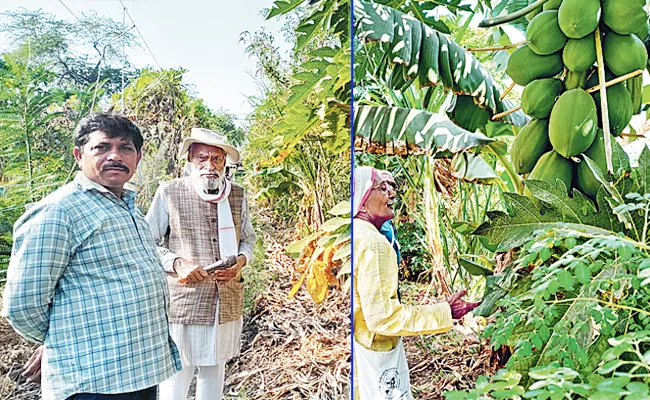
[82,180]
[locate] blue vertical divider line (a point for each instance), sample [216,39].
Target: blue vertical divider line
[351,199]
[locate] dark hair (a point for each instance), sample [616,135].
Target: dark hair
[112,125]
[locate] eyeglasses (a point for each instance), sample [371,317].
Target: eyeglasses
[201,158]
[386,187]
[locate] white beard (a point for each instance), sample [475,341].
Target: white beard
[207,183]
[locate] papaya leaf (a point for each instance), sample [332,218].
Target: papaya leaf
[523,219]
[416,52]
[395,130]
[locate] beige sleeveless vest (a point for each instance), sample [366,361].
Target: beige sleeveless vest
[193,236]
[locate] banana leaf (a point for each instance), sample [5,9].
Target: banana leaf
[401,131]
[413,51]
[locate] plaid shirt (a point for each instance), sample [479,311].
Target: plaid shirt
[85,280]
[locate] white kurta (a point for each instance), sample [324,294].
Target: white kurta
[201,345]
[205,345]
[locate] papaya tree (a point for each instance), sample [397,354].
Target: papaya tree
[572,303]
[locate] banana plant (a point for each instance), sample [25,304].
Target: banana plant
[413,52]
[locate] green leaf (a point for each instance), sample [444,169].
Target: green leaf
[566,279]
[583,273]
[281,7]
[415,51]
[524,219]
[609,367]
[333,224]
[342,208]
[472,167]
[474,268]
[294,249]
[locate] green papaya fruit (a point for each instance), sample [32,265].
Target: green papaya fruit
[579,18]
[574,80]
[529,145]
[643,32]
[619,105]
[551,167]
[524,66]
[544,34]
[580,54]
[573,123]
[624,53]
[584,179]
[552,4]
[538,97]
[635,88]
[624,16]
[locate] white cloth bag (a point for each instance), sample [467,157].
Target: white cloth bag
[382,375]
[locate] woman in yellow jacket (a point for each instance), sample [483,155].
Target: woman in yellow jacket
[380,319]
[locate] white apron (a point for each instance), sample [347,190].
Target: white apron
[382,375]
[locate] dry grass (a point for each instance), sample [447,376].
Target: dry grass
[293,348]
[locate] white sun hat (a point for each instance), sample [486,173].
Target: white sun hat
[211,138]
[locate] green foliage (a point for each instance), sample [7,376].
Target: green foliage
[318,97]
[577,296]
[394,130]
[414,52]
[81,52]
[37,118]
[575,311]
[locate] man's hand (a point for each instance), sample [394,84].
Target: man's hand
[188,272]
[226,275]
[32,368]
[459,307]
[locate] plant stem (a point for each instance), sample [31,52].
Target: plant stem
[511,17]
[508,90]
[498,48]
[607,303]
[616,80]
[510,169]
[503,114]
[603,102]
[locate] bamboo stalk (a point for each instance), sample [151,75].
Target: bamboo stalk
[505,93]
[512,46]
[511,17]
[603,102]
[503,114]
[620,79]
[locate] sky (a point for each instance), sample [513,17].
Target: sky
[201,36]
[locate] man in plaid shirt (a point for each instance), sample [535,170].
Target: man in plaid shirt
[85,279]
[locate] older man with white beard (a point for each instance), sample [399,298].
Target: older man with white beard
[198,220]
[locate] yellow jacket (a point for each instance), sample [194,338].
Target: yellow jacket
[379,317]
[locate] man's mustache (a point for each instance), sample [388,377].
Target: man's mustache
[121,166]
[216,173]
